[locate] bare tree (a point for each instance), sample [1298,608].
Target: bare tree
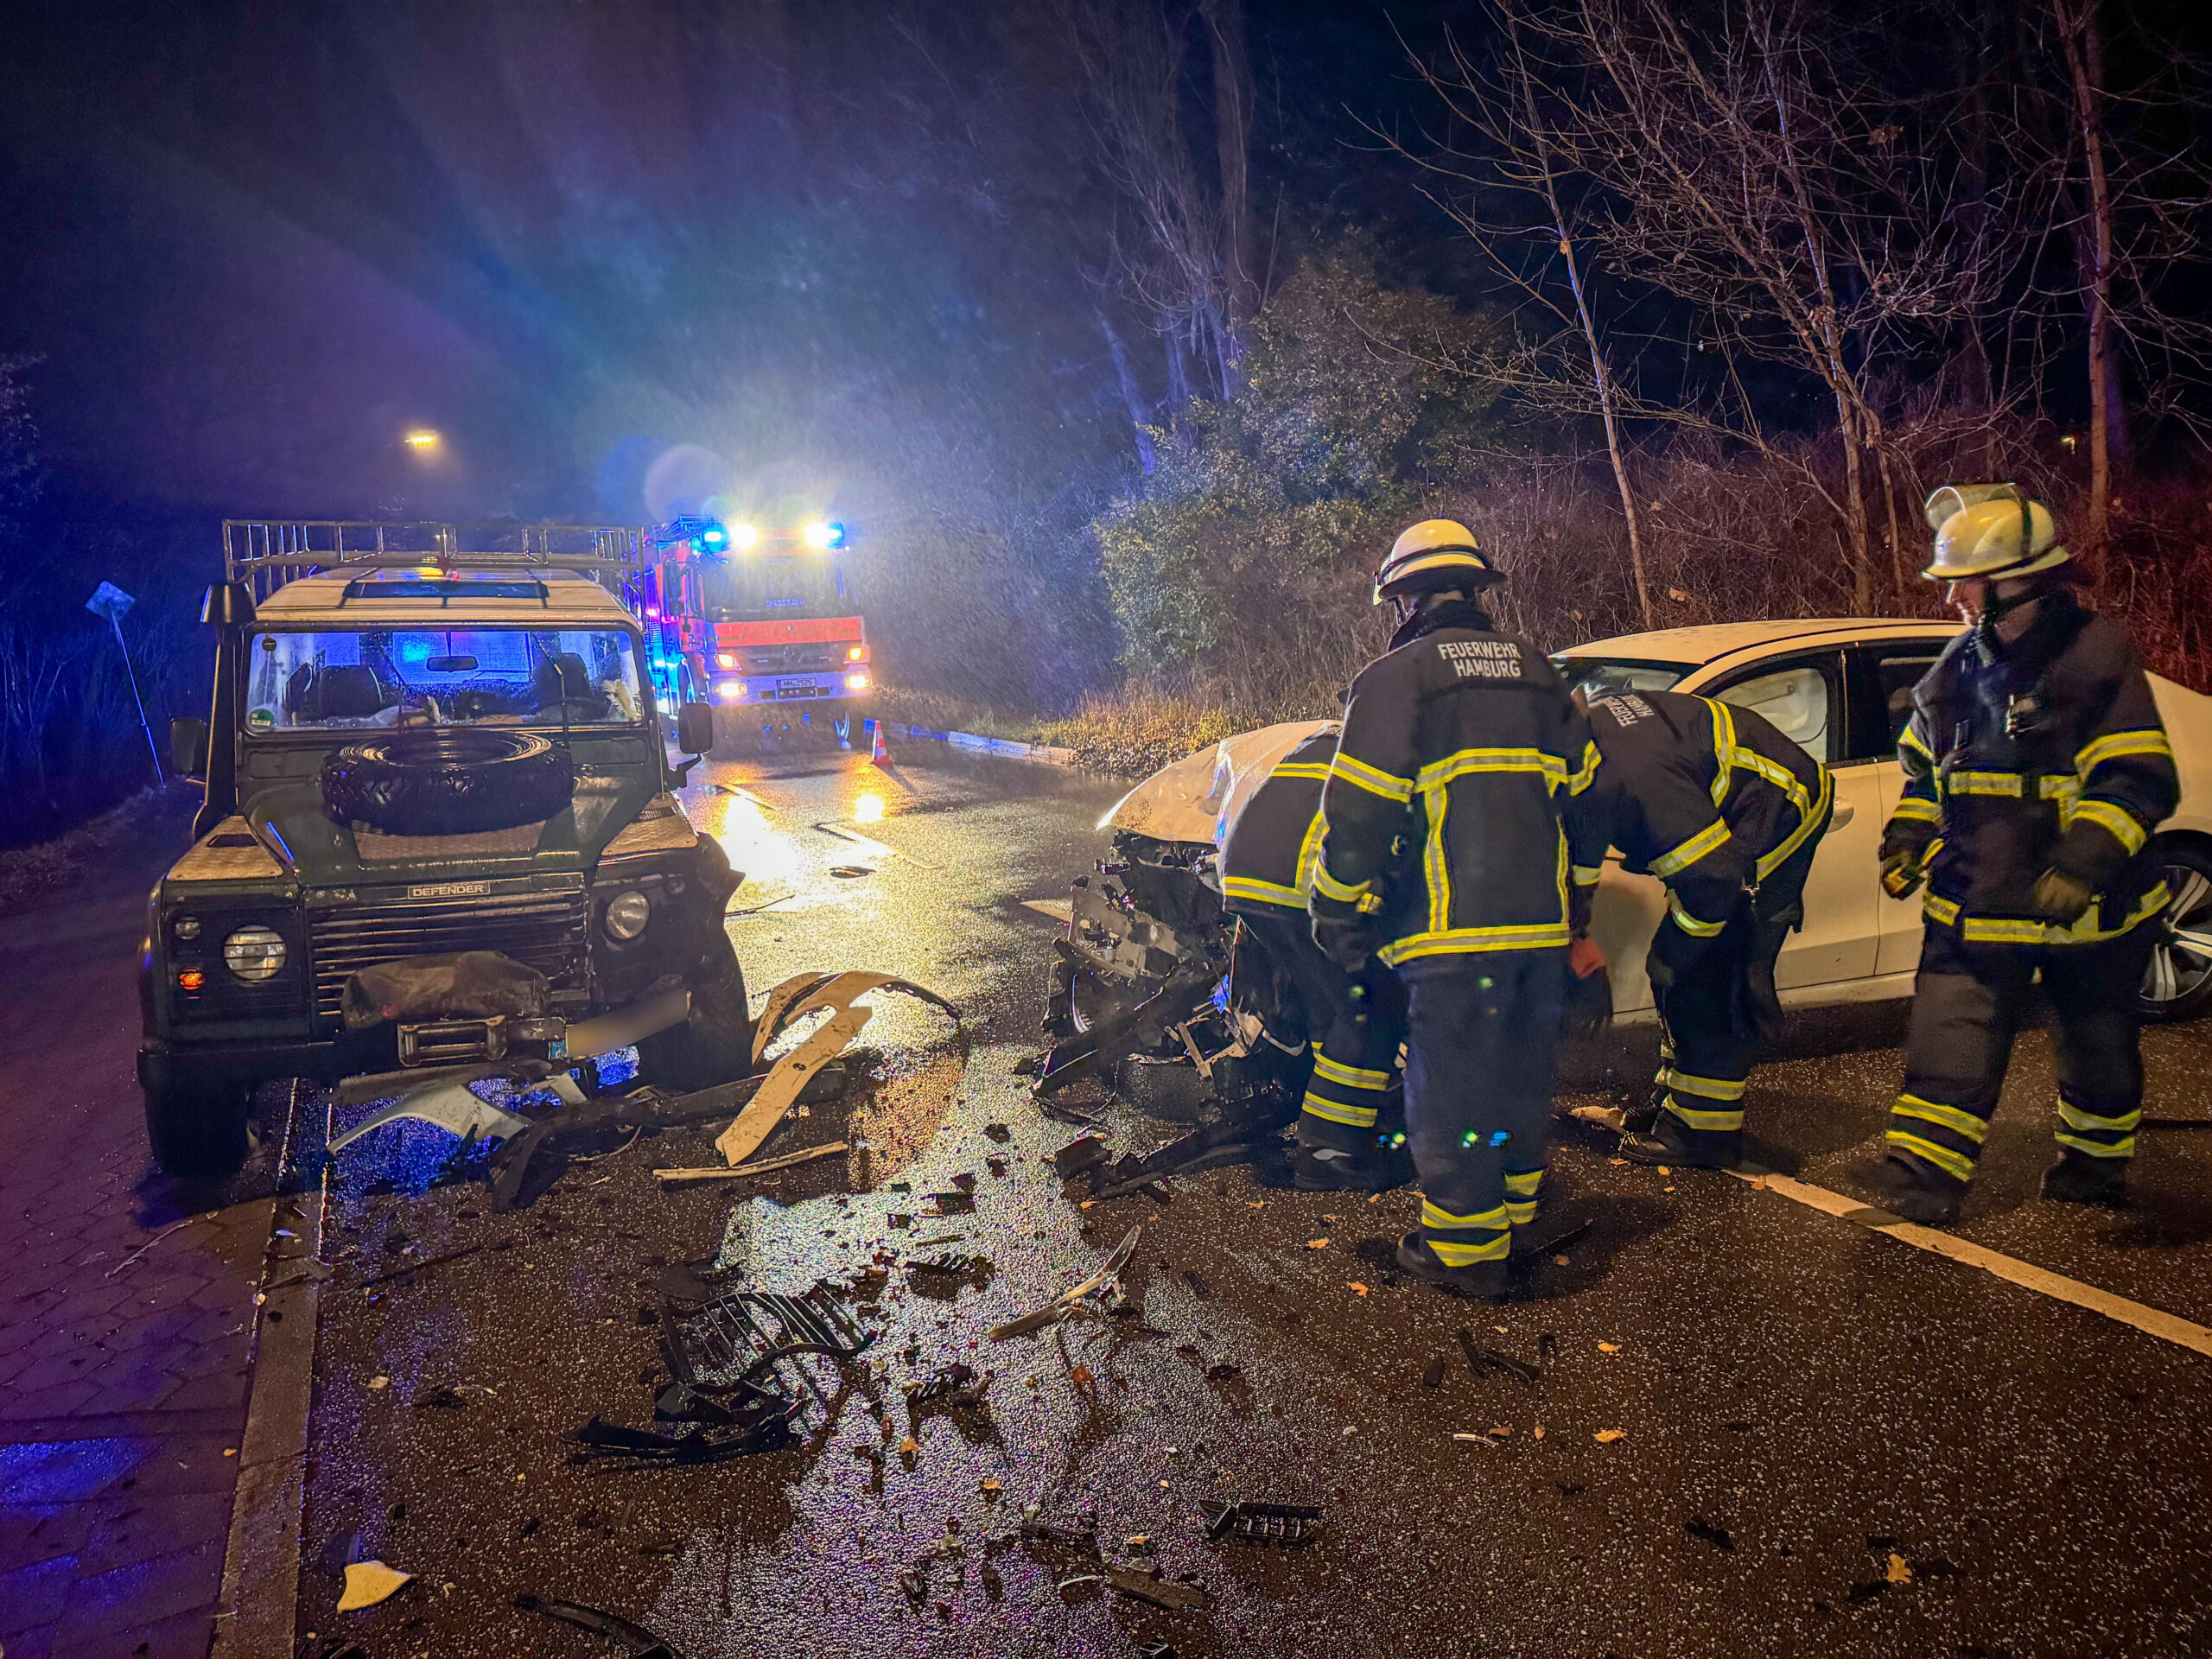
[1189,261]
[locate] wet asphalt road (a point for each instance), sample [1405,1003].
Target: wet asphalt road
[1828,1441]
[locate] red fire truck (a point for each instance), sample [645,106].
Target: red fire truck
[749,616]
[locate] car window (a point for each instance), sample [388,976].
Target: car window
[1881,679]
[1796,700]
[1597,677]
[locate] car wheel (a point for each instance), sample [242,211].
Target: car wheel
[198,1130]
[715,1045]
[2177,985]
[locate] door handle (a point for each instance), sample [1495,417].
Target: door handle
[1843,813]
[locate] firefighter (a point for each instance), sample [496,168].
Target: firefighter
[1444,857]
[2036,770]
[1348,1122]
[1727,811]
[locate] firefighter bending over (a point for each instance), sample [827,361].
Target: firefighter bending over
[1444,857]
[1353,1021]
[1727,811]
[2036,770]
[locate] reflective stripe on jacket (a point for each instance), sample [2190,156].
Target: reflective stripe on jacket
[2044,752]
[1267,859]
[1460,750]
[1708,797]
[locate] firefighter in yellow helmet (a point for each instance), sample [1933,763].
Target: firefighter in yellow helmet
[2037,769]
[1444,857]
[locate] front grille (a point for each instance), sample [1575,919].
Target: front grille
[542,929]
[793,659]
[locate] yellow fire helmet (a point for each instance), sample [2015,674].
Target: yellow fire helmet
[1990,531]
[1435,556]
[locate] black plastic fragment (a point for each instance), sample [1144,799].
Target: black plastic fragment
[1434,1376]
[1079,1154]
[636,1641]
[1710,1532]
[1286,1525]
[1513,1368]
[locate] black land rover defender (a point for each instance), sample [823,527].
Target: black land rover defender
[414,754]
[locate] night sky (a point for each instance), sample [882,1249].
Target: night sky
[255,244]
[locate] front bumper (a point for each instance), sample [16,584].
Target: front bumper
[830,685]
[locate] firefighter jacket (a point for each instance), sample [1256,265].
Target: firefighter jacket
[1710,798]
[1267,859]
[1444,803]
[2040,753]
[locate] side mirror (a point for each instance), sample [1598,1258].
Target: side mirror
[694,729]
[188,747]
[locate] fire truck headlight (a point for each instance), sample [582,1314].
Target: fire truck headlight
[823,536]
[855,682]
[725,659]
[856,653]
[731,690]
[742,537]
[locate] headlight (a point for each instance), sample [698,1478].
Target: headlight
[626,916]
[730,691]
[255,953]
[185,927]
[855,682]
[727,658]
[856,653]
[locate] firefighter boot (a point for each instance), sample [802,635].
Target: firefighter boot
[1326,1169]
[1912,1189]
[2078,1178]
[1669,1143]
[1483,1281]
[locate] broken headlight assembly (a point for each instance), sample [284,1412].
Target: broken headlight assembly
[626,915]
[255,953]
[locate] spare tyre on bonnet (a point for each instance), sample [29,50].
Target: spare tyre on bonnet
[448,781]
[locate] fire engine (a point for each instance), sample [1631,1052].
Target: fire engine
[747,616]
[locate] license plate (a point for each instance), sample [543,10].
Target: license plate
[803,689]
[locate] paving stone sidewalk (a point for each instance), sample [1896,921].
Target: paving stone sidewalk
[126,1305]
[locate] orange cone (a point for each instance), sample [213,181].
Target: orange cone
[879,756]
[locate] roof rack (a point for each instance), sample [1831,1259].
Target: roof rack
[267,553]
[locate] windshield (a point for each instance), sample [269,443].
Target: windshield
[813,585]
[1596,675]
[442,676]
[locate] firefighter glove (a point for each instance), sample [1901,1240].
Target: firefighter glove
[2062,897]
[1901,871]
[1348,940]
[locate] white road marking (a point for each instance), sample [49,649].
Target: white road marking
[1060,910]
[2167,1327]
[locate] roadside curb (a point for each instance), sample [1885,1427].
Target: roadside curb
[261,1565]
[986,745]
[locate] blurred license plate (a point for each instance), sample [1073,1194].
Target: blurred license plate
[799,689]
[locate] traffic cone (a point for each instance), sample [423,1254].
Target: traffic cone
[879,756]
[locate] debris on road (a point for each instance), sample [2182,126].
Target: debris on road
[1066,1303]
[450,1104]
[1288,1526]
[763,1167]
[1607,1436]
[638,1642]
[1609,1347]
[368,1583]
[1085,1151]
[1710,1532]
[998,1132]
[1432,1377]
[1489,1359]
[780,1092]
[952,1386]
[1083,1536]
[1160,1593]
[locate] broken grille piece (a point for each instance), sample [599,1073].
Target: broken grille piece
[1286,1525]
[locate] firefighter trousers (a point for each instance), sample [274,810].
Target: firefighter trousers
[1713,1014]
[1969,1001]
[1355,1024]
[1481,1038]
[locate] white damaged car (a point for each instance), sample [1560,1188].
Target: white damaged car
[1840,687]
